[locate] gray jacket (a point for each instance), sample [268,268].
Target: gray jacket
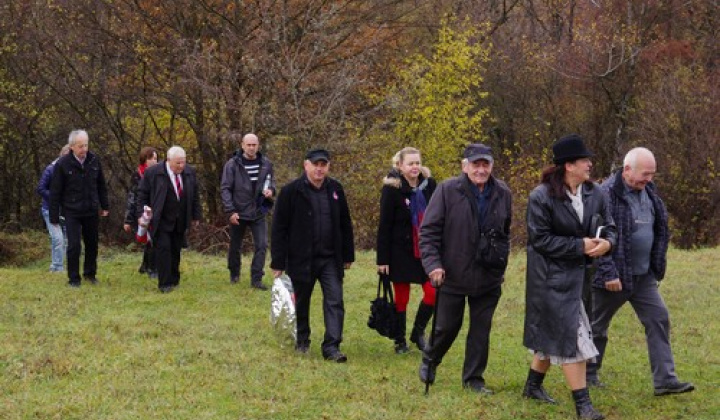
[236,190]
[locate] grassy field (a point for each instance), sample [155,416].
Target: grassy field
[121,350]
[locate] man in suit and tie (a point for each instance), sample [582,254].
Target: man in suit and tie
[170,189]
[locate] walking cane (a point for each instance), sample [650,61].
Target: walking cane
[432,339]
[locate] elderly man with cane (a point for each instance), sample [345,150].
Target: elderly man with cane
[464,242]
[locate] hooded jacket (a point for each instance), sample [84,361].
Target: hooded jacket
[395,246]
[236,190]
[450,234]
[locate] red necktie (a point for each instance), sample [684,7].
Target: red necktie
[178,185]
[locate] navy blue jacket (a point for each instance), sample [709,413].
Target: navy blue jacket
[618,264]
[43,188]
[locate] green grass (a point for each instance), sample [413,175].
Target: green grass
[121,350]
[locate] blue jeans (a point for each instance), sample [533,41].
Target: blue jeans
[57,242]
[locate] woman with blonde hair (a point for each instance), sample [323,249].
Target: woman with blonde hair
[405,193]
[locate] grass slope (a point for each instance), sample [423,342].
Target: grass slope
[121,350]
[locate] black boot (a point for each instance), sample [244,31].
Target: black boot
[534,389]
[400,343]
[427,370]
[584,407]
[422,318]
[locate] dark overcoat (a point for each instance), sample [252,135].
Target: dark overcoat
[556,266]
[292,229]
[450,234]
[395,246]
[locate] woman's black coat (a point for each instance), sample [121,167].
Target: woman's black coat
[556,266]
[394,237]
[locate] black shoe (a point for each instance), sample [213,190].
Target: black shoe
[167,289]
[152,274]
[478,387]
[401,348]
[595,383]
[588,412]
[418,339]
[142,269]
[75,285]
[302,348]
[258,285]
[337,356]
[234,279]
[584,407]
[92,280]
[534,392]
[674,388]
[427,371]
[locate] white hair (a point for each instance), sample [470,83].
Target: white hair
[75,134]
[632,156]
[175,151]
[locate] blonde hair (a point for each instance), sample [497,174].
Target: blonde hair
[400,155]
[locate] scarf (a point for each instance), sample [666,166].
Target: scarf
[417,212]
[141,169]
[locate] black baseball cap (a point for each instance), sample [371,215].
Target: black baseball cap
[478,151]
[315,155]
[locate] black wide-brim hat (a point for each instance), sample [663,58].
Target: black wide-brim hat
[569,148]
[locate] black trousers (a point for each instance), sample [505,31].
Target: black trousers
[324,270]
[167,257]
[258,228]
[450,310]
[87,228]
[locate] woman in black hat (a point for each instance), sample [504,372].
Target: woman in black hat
[406,191]
[563,216]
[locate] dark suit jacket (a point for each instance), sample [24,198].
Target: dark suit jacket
[155,187]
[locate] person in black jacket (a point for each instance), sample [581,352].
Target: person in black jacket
[148,157]
[563,216]
[467,216]
[246,189]
[170,189]
[406,191]
[78,188]
[312,239]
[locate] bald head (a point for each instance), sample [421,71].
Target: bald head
[250,146]
[639,168]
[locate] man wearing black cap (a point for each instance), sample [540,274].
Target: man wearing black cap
[312,239]
[464,242]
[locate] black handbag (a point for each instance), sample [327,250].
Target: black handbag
[493,250]
[383,317]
